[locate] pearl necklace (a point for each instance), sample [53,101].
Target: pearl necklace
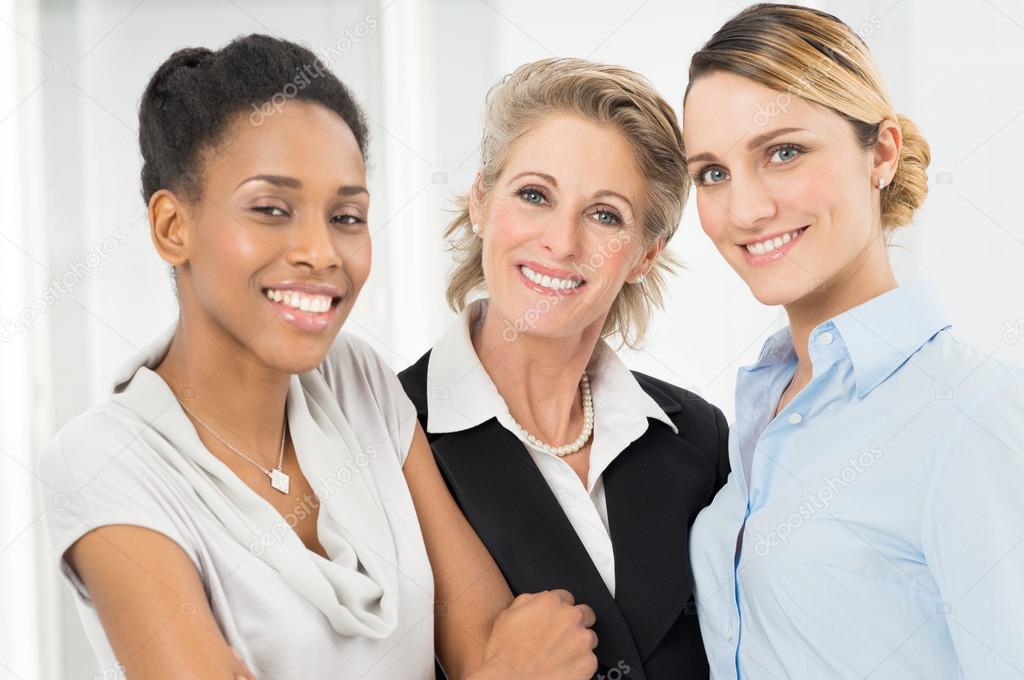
[581,441]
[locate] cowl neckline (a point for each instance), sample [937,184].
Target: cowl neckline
[357,588]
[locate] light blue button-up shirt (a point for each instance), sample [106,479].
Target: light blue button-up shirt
[881,512]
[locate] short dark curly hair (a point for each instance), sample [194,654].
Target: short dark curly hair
[196,92]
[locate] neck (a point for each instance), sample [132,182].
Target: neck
[538,377]
[867,277]
[225,385]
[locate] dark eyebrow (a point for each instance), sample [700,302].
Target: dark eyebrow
[292,183]
[276,180]
[352,190]
[751,145]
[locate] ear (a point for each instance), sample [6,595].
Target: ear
[168,220]
[647,260]
[886,153]
[476,201]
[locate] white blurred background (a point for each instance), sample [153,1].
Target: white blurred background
[82,288]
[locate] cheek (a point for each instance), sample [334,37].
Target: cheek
[231,242]
[830,198]
[815,192]
[506,228]
[358,262]
[510,223]
[713,218]
[612,256]
[227,249]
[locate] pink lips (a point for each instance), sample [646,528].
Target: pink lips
[774,255]
[548,271]
[306,321]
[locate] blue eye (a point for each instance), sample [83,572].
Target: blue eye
[712,175]
[785,153]
[607,217]
[532,195]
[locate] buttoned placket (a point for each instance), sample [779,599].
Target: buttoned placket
[824,354]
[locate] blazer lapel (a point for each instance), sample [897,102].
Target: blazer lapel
[519,519]
[650,489]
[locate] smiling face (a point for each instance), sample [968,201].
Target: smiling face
[784,189]
[276,250]
[562,227]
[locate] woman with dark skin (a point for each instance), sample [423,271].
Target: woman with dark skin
[265,225]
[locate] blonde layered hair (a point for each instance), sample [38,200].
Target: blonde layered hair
[603,94]
[813,55]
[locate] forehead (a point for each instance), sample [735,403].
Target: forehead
[300,139]
[724,110]
[577,152]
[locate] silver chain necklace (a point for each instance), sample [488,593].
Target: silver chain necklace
[278,478]
[588,426]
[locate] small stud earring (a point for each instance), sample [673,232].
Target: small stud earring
[881,183]
[476,229]
[640,280]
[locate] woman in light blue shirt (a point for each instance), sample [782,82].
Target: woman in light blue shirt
[873,524]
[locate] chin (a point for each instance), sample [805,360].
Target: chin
[297,355]
[530,321]
[777,293]
[299,367]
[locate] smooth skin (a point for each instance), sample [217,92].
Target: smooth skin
[801,168]
[286,201]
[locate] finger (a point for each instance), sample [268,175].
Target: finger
[589,617]
[565,596]
[521,600]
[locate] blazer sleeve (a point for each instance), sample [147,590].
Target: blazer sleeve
[723,448]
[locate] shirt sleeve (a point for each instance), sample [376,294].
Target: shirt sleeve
[353,363]
[973,534]
[94,474]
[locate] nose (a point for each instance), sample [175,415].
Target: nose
[750,201]
[311,246]
[561,235]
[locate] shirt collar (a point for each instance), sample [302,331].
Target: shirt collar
[884,332]
[880,335]
[461,395]
[149,356]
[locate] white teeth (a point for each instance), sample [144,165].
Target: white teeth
[311,303]
[549,281]
[768,245]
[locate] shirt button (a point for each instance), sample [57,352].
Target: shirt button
[728,633]
[826,338]
[795,418]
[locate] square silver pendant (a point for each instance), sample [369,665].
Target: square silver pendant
[279,480]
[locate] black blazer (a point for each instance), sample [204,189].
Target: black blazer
[654,490]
